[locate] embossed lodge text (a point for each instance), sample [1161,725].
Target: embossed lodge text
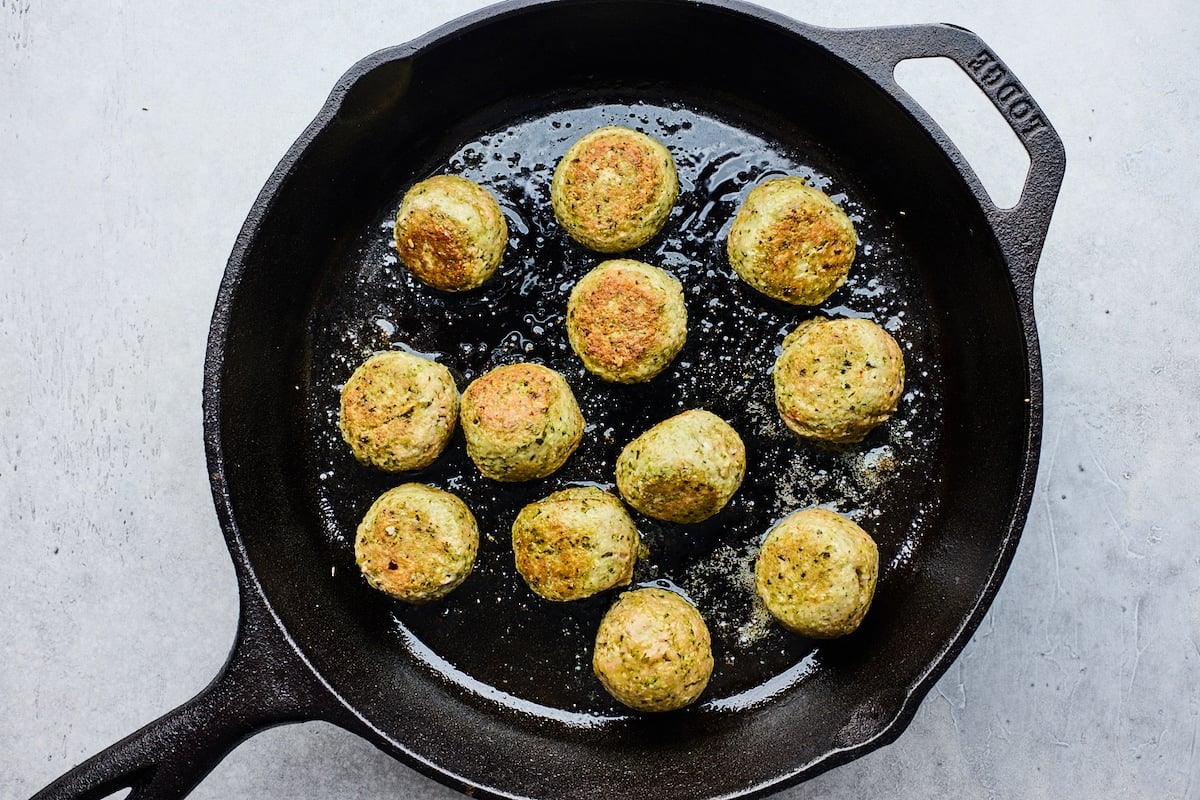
[1014,101]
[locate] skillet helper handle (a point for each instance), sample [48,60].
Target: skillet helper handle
[1021,230]
[262,684]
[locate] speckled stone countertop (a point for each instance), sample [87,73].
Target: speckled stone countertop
[134,138]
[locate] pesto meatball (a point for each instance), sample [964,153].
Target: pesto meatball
[836,379]
[614,189]
[450,233]
[626,320]
[653,651]
[816,573]
[416,543]
[684,469]
[575,543]
[791,242]
[398,411]
[521,422]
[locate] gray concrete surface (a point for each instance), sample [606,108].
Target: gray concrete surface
[133,139]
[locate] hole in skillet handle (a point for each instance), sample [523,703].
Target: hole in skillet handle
[986,141]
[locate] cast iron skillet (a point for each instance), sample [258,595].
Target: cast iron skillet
[489,691]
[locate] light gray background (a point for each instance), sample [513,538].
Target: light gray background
[133,140]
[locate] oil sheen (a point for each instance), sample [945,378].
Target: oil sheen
[493,632]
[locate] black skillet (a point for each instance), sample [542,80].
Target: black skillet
[489,691]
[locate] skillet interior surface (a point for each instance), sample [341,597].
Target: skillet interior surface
[491,688]
[540,651]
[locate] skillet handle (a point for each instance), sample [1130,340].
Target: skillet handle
[263,683]
[1021,230]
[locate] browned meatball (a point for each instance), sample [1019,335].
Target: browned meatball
[416,543]
[614,189]
[653,651]
[791,242]
[816,573]
[450,233]
[575,543]
[398,411]
[626,320]
[836,379]
[684,469]
[521,422]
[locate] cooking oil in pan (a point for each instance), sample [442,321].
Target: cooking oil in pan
[493,632]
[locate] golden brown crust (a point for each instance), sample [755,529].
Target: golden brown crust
[636,170]
[836,380]
[575,543]
[450,233]
[521,422]
[432,246]
[816,573]
[626,320]
[614,189]
[416,543]
[653,651]
[791,242]
[513,398]
[398,411]
[620,303]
